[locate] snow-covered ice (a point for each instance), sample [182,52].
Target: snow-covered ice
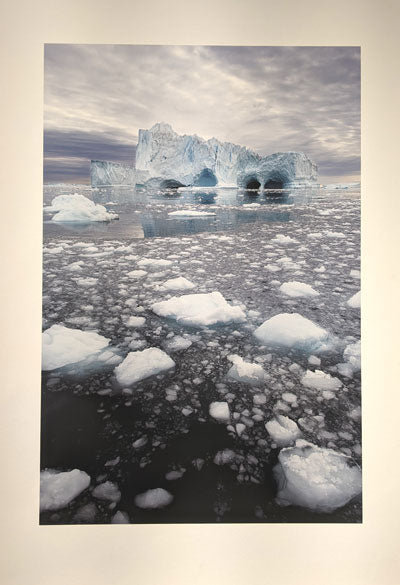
[246,372]
[153,499]
[179,283]
[220,411]
[316,478]
[298,289]
[139,365]
[319,380]
[62,345]
[59,488]
[292,330]
[283,430]
[78,208]
[107,491]
[200,309]
[355,301]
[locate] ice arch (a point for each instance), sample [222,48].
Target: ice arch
[171,184]
[252,183]
[205,179]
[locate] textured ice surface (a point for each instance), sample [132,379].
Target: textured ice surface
[62,345]
[107,491]
[141,364]
[318,380]
[179,283]
[292,330]
[316,478]
[245,371]
[190,213]
[355,301]
[59,488]
[200,309]
[298,289]
[220,411]
[155,498]
[78,208]
[283,430]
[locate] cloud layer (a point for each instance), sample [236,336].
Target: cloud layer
[267,98]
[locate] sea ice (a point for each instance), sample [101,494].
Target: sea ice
[58,489]
[283,430]
[245,371]
[136,321]
[154,263]
[283,240]
[77,208]
[190,213]
[107,491]
[315,478]
[62,346]
[220,411]
[152,499]
[141,364]
[199,309]
[292,330]
[120,518]
[318,380]
[180,283]
[355,301]
[136,273]
[177,343]
[298,289]
[352,355]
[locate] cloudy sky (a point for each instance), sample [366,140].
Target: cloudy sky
[270,99]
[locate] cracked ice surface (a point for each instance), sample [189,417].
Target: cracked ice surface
[247,267]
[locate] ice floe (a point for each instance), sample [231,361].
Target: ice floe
[153,499]
[298,289]
[318,380]
[179,283]
[62,345]
[199,309]
[220,411]
[190,213]
[292,330]
[107,491]
[59,488]
[315,478]
[141,364]
[355,301]
[78,208]
[246,372]
[283,430]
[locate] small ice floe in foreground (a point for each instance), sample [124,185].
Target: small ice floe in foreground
[153,499]
[283,240]
[292,330]
[59,488]
[220,411]
[283,430]
[77,208]
[141,364]
[318,380]
[190,213]
[62,346]
[154,263]
[135,321]
[355,301]
[177,343]
[199,309]
[107,491]
[298,289]
[179,283]
[352,357]
[120,518]
[245,371]
[315,478]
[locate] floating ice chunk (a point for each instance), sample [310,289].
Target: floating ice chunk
[178,343]
[75,266]
[283,240]
[155,263]
[220,411]
[289,397]
[136,321]
[251,205]
[240,427]
[180,283]
[77,208]
[298,289]
[292,330]
[315,478]
[314,360]
[199,309]
[58,489]
[136,273]
[318,380]
[283,430]
[352,355]
[330,234]
[107,491]
[141,364]
[152,499]
[355,273]
[87,282]
[190,213]
[62,346]
[120,518]
[224,457]
[245,371]
[174,474]
[355,301]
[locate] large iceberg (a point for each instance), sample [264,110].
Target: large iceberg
[77,208]
[165,159]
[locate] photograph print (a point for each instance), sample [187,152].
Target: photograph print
[201,347]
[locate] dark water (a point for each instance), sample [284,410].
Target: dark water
[87,421]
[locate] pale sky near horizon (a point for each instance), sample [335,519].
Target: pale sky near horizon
[270,99]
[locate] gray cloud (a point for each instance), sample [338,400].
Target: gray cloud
[267,98]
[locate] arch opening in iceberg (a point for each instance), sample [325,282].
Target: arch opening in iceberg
[252,184]
[205,179]
[171,184]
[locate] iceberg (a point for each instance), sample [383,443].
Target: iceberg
[199,310]
[315,478]
[77,208]
[139,365]
[165,159]
[292,330]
